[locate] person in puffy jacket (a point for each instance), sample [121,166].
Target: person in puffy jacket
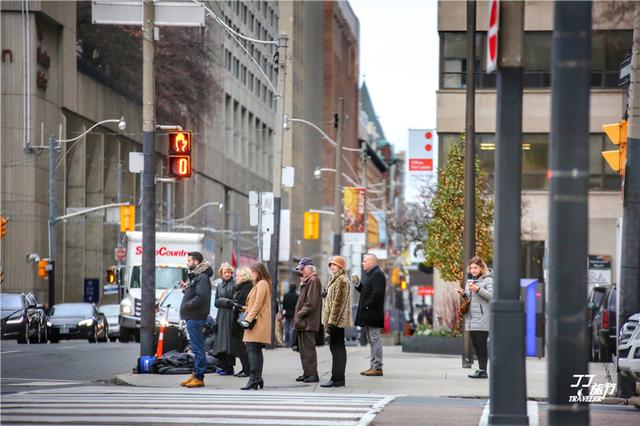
[479,292]
[194,309]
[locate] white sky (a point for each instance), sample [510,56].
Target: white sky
[399,61]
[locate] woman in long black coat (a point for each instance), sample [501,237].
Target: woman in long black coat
[223,346]
[244,283]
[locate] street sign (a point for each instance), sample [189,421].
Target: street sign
[625,71]
[120,254]
[425,290]
[136,162]
[254,211]
[421,148]
[91,290]
[129,12]
[492,35]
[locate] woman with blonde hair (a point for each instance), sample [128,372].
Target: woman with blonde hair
[479,293]
[244,283]
[257,324]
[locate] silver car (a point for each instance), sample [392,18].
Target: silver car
[112,312]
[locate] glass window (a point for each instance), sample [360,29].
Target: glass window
[166,277]
[72,309]
[537,59]
[10,301]
[454,61]
[608,49]
[110,310]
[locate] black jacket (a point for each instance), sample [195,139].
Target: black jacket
[289,302]
[371,305]
[196,303]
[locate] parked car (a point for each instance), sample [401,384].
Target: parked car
[77,321]
[43,318]
[629,348]
[606,322]
[22,319]
[112,312]
[599,323]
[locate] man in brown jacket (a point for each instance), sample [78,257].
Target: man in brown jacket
[306,320]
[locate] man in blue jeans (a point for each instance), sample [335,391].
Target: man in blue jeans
[195,307]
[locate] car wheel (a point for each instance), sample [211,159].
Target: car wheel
[104,337]
[55,339]
[36,335]
[23,337]
[44,336]
[93,335]
[113,339]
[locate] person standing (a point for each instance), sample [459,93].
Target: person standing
[194,309]
[223,345]
[257,324]
[244,284]
[336,316]
[370,314]
[289,301]
[479,292]
[306,320]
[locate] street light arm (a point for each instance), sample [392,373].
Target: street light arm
[344,175]
[111,120]
[331,141]
[212,203]
[89,210]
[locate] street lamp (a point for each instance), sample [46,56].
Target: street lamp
[53,144]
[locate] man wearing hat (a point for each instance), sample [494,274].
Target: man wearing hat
[336,316]
[306,319]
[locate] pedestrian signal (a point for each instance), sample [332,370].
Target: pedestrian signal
[180,154]
[127,218]
[616,158]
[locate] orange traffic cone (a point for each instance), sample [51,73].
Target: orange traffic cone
[407,329]
[160,349]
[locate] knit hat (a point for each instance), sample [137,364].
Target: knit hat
[338,261]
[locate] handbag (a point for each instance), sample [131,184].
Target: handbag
[464,305]
[242,318]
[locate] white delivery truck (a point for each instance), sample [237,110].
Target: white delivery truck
[172,249]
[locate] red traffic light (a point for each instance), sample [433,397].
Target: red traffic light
[180,154]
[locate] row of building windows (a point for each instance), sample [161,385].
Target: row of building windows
[250,80]
[535,159]
[243,11]
[608,50]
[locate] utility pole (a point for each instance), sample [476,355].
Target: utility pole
[53,143]
[469,227]
[508,389]
[236,220]
[337,195]
[568,213]
[365,179]
[118,233]
[278,143]
[629,270]
[147,320]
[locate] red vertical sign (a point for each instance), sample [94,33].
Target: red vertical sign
[492,35]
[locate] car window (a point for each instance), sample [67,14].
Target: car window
[11,301]
[72,309]
[173,298]
[166,277]
[110,310]
[598,296]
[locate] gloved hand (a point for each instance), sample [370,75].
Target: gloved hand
[244,323]
[330,328]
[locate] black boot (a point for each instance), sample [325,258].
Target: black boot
[254,382]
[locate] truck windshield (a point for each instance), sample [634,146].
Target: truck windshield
[166,277]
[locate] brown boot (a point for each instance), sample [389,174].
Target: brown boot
[364,373]
[374,373]
[191,377]
[195,383]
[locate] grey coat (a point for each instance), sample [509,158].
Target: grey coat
[477,318]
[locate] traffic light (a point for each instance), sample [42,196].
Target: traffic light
[43,268]
[311,225]
[111,275]
[3,226]
[395,276]
[617,133]
[127,218]
[180,154]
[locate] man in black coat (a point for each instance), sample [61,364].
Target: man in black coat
[194,309]
[370,314]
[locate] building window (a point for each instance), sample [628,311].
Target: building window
[537,59]
[608,49]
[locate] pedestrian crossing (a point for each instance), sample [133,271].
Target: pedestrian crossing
[117,405]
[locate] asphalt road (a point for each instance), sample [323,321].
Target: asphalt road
[68,363]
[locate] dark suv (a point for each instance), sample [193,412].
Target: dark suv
[602,322]
[22,318]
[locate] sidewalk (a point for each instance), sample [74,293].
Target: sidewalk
[404,374]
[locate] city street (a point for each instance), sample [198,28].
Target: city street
[71,381]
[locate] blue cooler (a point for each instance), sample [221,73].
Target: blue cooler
[145,363]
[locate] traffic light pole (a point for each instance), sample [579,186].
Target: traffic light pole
[278,143]
[629,270]
[508,390]
[469,228]
[568,214]
[337,195]
[147,320]
[53,143]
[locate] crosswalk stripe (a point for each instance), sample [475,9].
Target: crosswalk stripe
[123,405]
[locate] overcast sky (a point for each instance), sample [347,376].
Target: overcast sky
[399,62]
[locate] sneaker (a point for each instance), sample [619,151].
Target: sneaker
[195,383]
[191,377]
[479,374]
[372,372]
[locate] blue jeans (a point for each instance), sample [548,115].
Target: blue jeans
[196,338]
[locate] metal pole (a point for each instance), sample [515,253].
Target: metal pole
[365,180]
[629,270]
[337,195]
[508,390]
[119,234]
[53,142]
[147,320]
[469,228]
[278,143]
[169,206]
[237,239]
[568,214]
